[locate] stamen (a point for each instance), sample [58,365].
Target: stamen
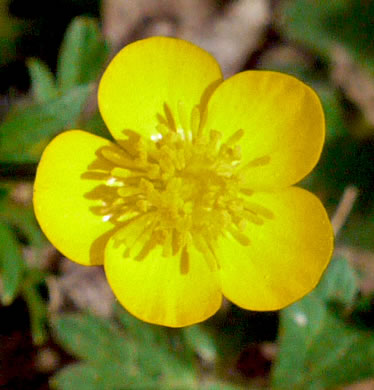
[257,162]
[115,156]
[202,247]
[95,175]
[258,209]
[184,261]
[254,218]
[240,237]
[148,246]
[182,116]
[179,189]
[234,138]
[214,138]
[195,122]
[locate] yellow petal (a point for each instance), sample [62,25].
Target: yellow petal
[60,203]
[283,125]
[152,80]
[286,256]
[155,289]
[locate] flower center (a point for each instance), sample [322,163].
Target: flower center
[182,188]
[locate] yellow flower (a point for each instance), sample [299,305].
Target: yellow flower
[195,200]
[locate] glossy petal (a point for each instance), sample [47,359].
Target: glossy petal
[149,79]
[283,125]
[286,255]
[155,290]
[60,204]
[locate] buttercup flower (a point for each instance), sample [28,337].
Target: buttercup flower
[195,199]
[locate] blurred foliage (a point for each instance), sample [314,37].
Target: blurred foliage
[10,30]
[319,347]
[18,278]
[325,340]
[57,104]
[323,25]
[348,157]
[130,354]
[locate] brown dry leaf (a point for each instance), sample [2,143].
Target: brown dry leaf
[285,55]
[231,36]
[84,287]
[364,385]
[22,193]
[126,20]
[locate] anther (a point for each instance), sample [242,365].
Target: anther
[195,122]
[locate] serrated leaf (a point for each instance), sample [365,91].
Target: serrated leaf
[24,136]
[93,339]
[43,83]
[91,376]
[138,356]
[78,376]
[83,54]
[85,376]
[12,265]
[155,352]
[318,349]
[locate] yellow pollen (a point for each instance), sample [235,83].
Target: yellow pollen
[179,190]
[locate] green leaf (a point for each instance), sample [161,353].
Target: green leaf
[201,342]
[138,356]
[3,194]
[23,218]
[93,339]
[305,21]
[225,386]
[36,305]
[10,30]
[340,284]
[358,231]
[352,25]
[86,376]
[83,54]
[155,354]
[12,265]
[318,349]
[322,25]
[335,121]
[43,83]
[89,376]
[24,136]
[79,376]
